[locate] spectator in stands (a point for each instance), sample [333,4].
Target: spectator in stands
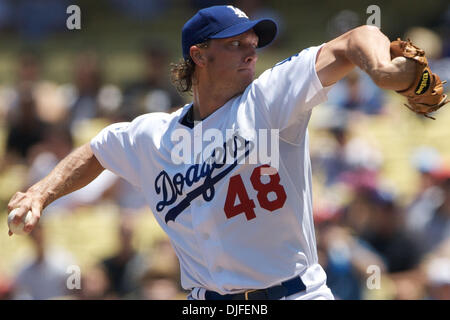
[160,285]
[29,68]
[95,285]
[56,143]
[154,92]
[386,233]
[329,158]
[429,196]
[88,80]
[45,276]
[25,128]
[437,229]
[127,266]
[346,259]
[357,92]
[162,280]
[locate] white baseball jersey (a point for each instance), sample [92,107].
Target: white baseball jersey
[232,227]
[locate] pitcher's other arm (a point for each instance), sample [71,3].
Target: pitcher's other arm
[369,49]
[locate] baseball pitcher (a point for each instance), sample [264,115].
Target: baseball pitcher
[228,176]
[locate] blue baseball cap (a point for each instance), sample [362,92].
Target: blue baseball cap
[220,22]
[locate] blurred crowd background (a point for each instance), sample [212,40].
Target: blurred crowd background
[381,174]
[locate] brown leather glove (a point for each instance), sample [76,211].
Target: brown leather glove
[426,94]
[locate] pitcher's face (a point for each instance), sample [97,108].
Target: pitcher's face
[231,61]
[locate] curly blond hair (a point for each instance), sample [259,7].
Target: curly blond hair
[183,71]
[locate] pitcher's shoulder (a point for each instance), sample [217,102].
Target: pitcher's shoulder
[156,121]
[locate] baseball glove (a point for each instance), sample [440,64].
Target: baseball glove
[426,94]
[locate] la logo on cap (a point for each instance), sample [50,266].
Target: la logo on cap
[238,12]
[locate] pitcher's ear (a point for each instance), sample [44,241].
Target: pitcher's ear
[197,55]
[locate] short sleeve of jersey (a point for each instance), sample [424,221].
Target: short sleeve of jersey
[114,147]
[290,89]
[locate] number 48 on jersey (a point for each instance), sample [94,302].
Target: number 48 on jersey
[236,189]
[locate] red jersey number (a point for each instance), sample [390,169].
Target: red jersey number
[236,189]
